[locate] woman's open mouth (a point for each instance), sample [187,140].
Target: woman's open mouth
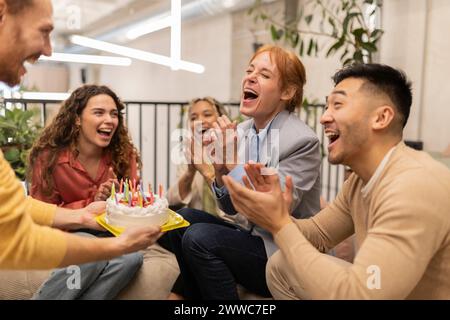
[249,96]
[105,133]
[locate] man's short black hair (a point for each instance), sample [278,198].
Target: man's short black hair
[16,6]
[388,80]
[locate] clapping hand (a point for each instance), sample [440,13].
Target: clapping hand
[262,204]
[262,179]
[198,159]
[225,141]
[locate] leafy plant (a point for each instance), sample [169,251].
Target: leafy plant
[342,23]
[18,131]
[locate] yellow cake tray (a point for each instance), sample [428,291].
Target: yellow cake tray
[175,221]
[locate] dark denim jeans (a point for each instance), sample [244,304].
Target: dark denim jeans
[214,256]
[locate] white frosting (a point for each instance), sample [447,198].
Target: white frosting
[121,215]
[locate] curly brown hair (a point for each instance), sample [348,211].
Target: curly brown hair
[62,133]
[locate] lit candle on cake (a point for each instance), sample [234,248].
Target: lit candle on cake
[121,185]
[113,191]
[130,186]
[141,191]
[150,193]
[126,191]
[141,201]
[160,192]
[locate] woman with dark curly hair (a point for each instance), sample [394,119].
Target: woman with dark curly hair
[74,162]
[83,151]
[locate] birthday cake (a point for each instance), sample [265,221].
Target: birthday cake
[136,208]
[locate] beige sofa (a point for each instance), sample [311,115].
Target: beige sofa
[153,281]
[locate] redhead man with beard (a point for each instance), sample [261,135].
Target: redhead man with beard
[26,239]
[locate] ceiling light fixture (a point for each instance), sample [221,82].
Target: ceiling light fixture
[135,53]
[156,24]
[174,61]
[90,59]
[175,35]
[57,96]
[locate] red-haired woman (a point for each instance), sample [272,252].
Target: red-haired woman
[215,255]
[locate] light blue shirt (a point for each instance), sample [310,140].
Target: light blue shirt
[257,152]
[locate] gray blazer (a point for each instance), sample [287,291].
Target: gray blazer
[297,155]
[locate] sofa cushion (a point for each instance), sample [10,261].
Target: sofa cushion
[20,285]
[153,281]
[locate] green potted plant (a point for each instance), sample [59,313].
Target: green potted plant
[340,26]
[18,131]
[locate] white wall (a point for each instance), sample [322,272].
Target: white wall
[47,77]
[206,41]
[435,128]
[416,40]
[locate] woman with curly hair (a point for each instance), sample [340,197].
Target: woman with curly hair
[74,162]
[83,151]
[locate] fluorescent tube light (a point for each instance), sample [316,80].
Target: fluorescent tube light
[150,26]
[175,35]
[91,59]
[45,95]
[135,53]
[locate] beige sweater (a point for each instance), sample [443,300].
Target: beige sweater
[402,233]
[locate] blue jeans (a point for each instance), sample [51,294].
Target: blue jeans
[214,255]
[101,280]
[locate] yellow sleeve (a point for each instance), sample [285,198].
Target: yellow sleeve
[23,244]
[42,213]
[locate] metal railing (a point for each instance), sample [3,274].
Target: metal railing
[151,126]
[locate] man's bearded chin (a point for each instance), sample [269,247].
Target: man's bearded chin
[11,79]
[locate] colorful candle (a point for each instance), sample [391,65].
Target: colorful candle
[126,191]
[115,198]
[141,191]
[121,185]
[131,186]
[160,192]
[113,191]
